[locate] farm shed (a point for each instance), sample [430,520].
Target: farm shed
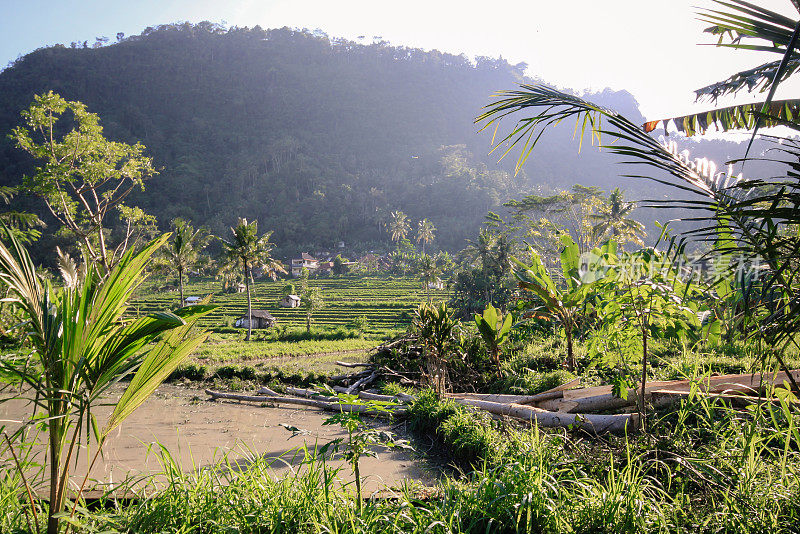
[258,319]
[290,301]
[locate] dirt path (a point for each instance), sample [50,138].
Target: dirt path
[198,432]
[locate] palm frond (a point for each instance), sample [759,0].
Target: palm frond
[740,117]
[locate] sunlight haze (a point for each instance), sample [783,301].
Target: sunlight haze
[647,48]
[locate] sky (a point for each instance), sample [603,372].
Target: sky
[650,48]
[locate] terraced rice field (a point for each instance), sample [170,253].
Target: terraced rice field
[381,299]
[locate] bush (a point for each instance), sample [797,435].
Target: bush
[227,372]
[190,371]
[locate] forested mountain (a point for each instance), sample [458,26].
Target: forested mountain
[317,138]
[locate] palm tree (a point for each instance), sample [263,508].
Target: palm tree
[83,344]
[757,215]
[398,226]
[247,249]
[428,272]
[182,252]
[425,233]
[481,249]
[612,220]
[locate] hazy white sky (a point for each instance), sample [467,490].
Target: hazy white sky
[648,47]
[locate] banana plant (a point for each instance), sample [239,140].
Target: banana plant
[82,344]
[494,331]
[563,303]
[438,330]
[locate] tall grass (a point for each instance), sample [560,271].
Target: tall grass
[705,467]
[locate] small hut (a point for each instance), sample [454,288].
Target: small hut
[290,301]
[258,319]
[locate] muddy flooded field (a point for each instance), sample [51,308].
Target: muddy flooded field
[198,433]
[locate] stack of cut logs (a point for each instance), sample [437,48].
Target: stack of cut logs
[564,406]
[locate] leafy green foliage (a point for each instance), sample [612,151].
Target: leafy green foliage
[82,175]
[437,329]
[494,331]
[564,304]
[181,253]
[81,346]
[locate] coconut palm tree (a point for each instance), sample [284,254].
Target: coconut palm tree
[425,233]
[398,226]
[182,252]
[83,343]
[428,272]
[612,220]
[758,214]
[247,249]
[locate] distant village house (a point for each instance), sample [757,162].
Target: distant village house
[305,261]
[258,319]
[290,301]
[438,284]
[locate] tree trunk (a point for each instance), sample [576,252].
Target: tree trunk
[180,286]
[102,245]
[308,321]
[642,414]
[570,355]
[249,302]
[56,503]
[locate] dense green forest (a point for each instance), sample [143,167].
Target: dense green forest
[317,138]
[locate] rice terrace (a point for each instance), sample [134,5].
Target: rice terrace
[374,277]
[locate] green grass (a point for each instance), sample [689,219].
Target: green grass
[226,348]
[703,468]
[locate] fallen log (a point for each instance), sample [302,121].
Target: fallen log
[501,398]
[664,397]
[743,383]
[330,406]
[592,422]
[366,395]
[362,382]
[351,376]
[389,345]
[308,393]
[266,391]
[354,364]
[553,393]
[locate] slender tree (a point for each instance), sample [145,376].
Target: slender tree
[81,175]
[247,249]
[311,300]
[398,226]
[425,233]
[428,272]
[182,252]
